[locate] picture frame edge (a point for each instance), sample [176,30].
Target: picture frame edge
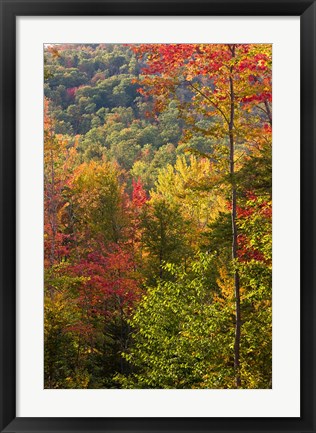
[8,420]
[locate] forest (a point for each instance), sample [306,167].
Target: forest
[158,216]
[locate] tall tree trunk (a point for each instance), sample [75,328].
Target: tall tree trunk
[234,225]
[268,110]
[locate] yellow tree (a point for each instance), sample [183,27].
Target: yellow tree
[194,186]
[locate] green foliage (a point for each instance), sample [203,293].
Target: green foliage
[63,348]
[256,172]
[182,335]
[93,96]
[164,237]
[139,270]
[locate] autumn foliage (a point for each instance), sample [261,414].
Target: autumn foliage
[158,216]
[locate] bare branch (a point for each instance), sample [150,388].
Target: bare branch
[211,101]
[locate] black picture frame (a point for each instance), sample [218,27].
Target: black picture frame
[10,9]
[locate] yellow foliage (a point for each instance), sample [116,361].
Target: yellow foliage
[226,283]
[193,185]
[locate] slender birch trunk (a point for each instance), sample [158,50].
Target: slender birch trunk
[234,224]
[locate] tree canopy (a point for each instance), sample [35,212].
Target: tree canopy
[158,216]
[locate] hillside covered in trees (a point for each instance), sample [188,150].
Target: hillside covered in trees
[158,216]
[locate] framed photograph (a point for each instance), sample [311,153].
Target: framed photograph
[148,283]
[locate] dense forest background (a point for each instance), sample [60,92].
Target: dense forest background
[158,213]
